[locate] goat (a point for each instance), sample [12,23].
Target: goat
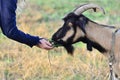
[78,27]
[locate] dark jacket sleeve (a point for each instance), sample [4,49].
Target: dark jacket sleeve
[8,24]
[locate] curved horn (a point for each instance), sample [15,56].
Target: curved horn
[85,7]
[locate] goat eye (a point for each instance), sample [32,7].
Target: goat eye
[70,24]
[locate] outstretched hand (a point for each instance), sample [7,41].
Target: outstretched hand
[45,44]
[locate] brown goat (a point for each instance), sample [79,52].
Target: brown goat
[77,28]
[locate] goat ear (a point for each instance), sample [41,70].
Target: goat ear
[70,49]
[81,25]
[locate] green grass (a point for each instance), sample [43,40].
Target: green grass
[62,7]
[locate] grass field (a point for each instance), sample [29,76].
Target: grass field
[43,18]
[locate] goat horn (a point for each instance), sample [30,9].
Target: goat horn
[85,7]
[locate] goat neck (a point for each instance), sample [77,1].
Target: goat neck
[100,35]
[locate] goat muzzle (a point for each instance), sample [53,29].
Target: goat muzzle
[69,48]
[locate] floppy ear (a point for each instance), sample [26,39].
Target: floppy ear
[81,24]
[70,49]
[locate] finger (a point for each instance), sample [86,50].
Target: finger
[48,43]
[48,47]
[44,45]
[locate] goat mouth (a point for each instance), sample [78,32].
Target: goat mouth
[55,43]
[59,43]
[69,48]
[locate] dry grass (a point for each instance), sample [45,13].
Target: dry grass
[23,63]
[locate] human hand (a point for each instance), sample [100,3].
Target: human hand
[44,44]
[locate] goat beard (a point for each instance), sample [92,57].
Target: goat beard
[69,48]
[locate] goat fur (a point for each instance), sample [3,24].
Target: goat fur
[96,36]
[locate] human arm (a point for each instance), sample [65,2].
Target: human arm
[9,28]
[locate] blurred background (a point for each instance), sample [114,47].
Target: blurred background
[43,18]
